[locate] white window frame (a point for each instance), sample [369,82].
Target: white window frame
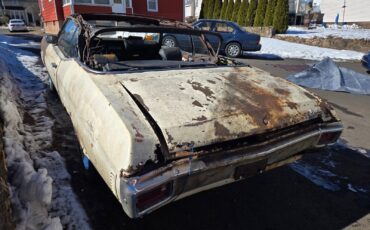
[156,6]
[67,2]
[92,3]
[130,5]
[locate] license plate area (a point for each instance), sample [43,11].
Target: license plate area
[249,169]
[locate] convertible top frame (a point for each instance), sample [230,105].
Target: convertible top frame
[140,24]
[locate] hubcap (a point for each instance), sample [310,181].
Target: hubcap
[169,42]
[233,50]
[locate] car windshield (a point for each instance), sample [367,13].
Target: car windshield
[15,21]
[120,50]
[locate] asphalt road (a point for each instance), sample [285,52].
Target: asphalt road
[354,110]
[328,189]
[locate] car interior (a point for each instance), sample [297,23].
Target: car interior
[127,51]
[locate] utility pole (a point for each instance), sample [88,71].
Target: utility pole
[344,10]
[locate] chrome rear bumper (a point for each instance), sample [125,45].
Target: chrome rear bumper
[192,175]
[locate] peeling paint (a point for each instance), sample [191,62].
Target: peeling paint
[197,103]
[204,89]
[221,130]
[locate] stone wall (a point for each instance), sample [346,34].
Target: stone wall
[360,45]
[263,31]
[6,219]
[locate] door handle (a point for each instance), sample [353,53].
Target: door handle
[54,65]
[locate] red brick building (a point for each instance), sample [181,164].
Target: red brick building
[54,12]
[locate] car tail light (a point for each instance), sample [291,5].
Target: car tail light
[328,138]
[154,196]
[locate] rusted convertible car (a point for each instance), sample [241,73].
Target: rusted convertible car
[162,123]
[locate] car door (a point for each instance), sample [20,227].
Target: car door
[226,32]
[65,48]
[208,26]
[52,61]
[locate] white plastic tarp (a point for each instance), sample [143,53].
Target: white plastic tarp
[326,75]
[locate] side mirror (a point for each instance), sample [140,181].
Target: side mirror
[51,39]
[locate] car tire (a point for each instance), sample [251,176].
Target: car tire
[233,50]
[169,41]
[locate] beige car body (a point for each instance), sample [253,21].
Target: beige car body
[185,122]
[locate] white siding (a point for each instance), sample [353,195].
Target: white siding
[198,5]
[356,10]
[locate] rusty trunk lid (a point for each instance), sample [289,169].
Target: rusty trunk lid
[199,107]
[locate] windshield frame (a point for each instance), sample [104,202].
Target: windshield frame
[162,30]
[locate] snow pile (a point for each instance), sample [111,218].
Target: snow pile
[31,190]
[325,172]
[294,50]
[320,177]
[40,184]
[348,32]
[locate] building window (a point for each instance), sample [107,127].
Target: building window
[152,5]
[83,1]
[188,2]
[98,2]
[66,2]
[128,3]
[102,2]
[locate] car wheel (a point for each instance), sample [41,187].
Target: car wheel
[233,50]
[169,41]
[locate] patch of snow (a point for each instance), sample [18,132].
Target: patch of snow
[318,176]
[364,152]
[30,189]
[349,186]
[356,189]
[347,32]
[284,49]
[41,193]
[19,42]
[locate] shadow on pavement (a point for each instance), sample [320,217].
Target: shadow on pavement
[280,199]
[270,57]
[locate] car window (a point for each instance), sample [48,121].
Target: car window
[224,28]
[16,21]
[187,43]
[204,26]
[68,39]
